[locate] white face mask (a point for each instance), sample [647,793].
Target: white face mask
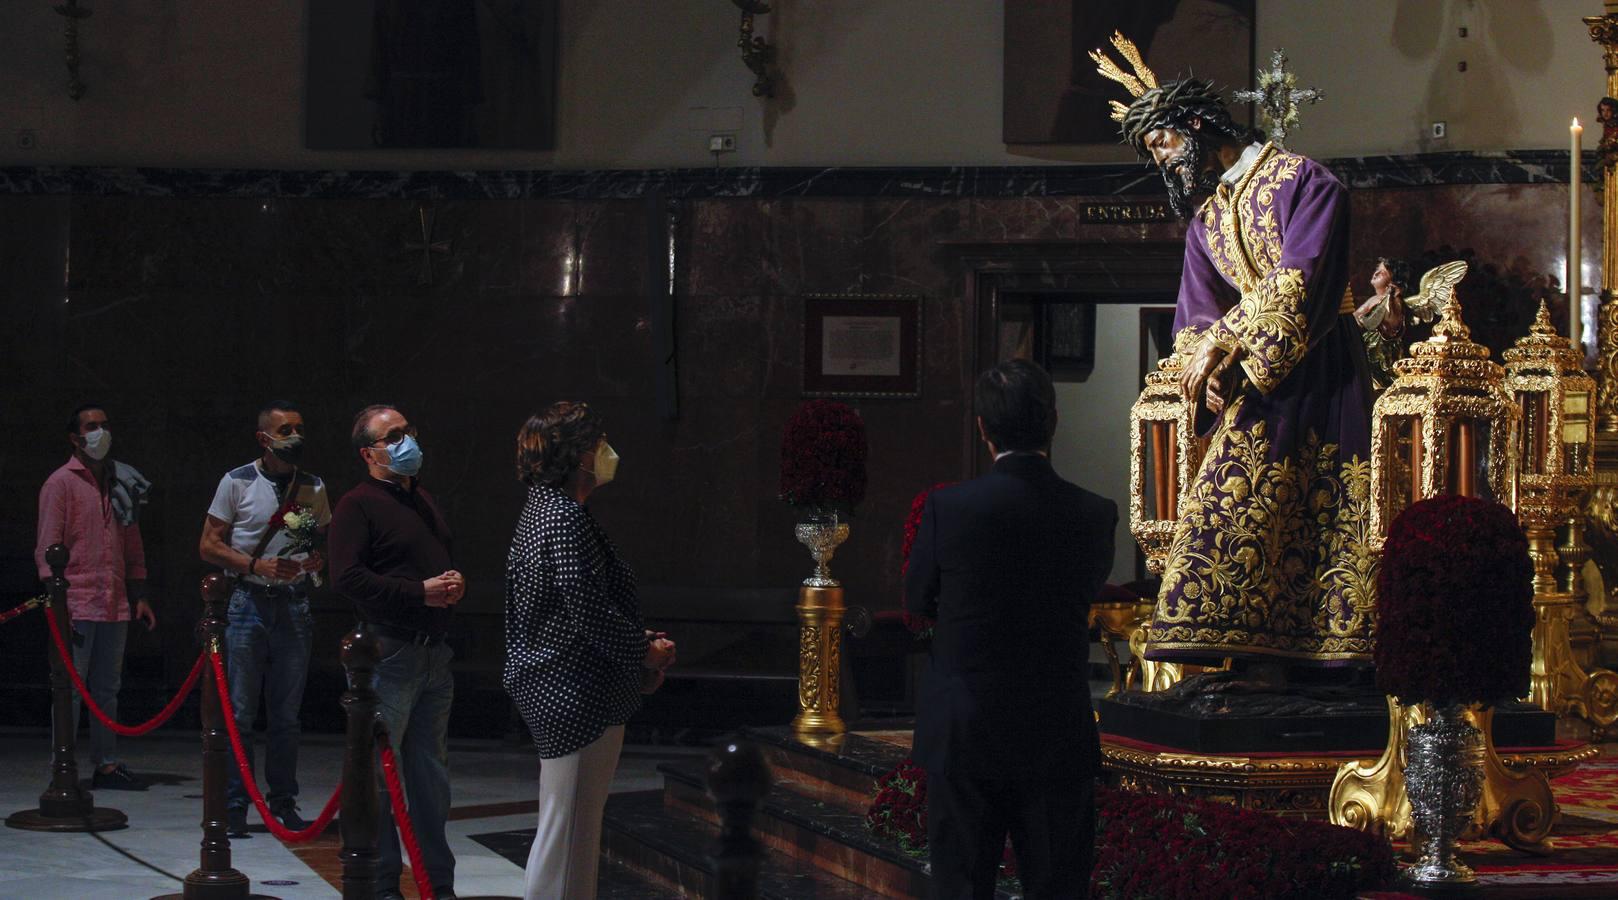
[97,443]
[606,463]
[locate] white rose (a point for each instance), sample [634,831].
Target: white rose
[291,519]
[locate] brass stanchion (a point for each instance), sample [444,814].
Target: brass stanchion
[738,779]
[65,806]
[214,878]
[358,823]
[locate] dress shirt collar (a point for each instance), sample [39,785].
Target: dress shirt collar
[1243,163]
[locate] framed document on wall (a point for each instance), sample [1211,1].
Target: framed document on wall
[862,345]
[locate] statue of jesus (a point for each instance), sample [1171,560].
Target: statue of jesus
[1271,561]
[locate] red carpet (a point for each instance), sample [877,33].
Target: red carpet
[1583,858]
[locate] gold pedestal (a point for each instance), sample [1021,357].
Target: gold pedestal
[1517,807]
[1558,683]
[820,660]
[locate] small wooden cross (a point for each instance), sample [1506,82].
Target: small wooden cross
[1278,97]
[428,246]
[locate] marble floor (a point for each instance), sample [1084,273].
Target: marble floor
[492,786]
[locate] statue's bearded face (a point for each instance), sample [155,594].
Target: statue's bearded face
[1188,165]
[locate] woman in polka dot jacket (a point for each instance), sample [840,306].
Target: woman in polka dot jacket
[577,655]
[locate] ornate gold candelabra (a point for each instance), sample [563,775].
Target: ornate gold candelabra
[1447,425]
[1555,470]
[1444,425]
[1604,31]
[1596,638]
[820,631]
[1164,454]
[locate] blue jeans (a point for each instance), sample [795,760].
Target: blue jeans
[267,641]
[415,688]
[98,655]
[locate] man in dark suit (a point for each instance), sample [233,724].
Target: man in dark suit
[1007,565]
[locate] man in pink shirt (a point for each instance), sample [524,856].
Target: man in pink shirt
[106,569]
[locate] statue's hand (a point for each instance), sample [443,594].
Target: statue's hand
[1394,322]
[1209,358]
[1222,383]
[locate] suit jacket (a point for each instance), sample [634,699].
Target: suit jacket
[1008,564]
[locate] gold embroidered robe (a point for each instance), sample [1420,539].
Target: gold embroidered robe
[1271,555]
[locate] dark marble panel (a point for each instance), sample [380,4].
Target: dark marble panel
[904,249]
[549,249]
[1509,167]
[1513,226]
[730,247]
[612,248]
[133,244]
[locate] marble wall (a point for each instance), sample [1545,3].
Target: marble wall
[182,301]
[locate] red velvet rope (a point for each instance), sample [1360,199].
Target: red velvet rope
[19,609]
[162,716]
[401,816]
[318,826]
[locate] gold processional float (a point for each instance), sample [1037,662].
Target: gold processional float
[1450,423]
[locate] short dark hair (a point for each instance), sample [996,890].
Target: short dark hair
[361,435]
[1399,273]
[1017,404]
[1608,101]
[274,406]
[551,444]
[74,420]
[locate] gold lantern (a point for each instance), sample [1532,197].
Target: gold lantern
[1164,453]
[1555,471]
[1447,425]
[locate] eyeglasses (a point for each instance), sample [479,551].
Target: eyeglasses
[395,435]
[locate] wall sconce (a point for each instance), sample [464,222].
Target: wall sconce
[757,53]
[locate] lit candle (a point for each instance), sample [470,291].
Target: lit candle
[1575,286]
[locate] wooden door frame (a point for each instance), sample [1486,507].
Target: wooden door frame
[1119,271]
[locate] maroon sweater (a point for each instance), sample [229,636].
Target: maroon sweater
[384,541]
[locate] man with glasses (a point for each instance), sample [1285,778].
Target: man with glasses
[106,570]
[265,525]
[390,555]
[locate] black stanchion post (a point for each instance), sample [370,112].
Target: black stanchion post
[738,779]
[358,823]
[214,878]
[65,806]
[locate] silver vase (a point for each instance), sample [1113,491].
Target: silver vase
[822,532]
[1444,780]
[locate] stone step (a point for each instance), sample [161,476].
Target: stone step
[828,836]
[668,848]
[841,770]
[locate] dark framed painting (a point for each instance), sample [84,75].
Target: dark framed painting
[1052,94]
[862,345]
[431,73]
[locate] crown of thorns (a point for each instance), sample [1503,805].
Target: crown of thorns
[1154,105]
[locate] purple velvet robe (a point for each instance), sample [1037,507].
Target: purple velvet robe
[1272,553]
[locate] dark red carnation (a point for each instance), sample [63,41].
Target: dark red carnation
[1150,845]
[823,453]
[1454,604]
[917,624]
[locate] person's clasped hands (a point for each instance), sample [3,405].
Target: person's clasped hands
[659,656]
[444,590]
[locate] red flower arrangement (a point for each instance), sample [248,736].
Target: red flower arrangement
[921,626]
[1454,604]
[1151,845]
[899,813]
[823,454]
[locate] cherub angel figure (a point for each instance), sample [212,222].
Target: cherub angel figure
[1385,313]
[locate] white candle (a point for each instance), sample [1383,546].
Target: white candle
[1575,286]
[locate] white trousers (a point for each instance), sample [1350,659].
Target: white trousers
[572,798]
